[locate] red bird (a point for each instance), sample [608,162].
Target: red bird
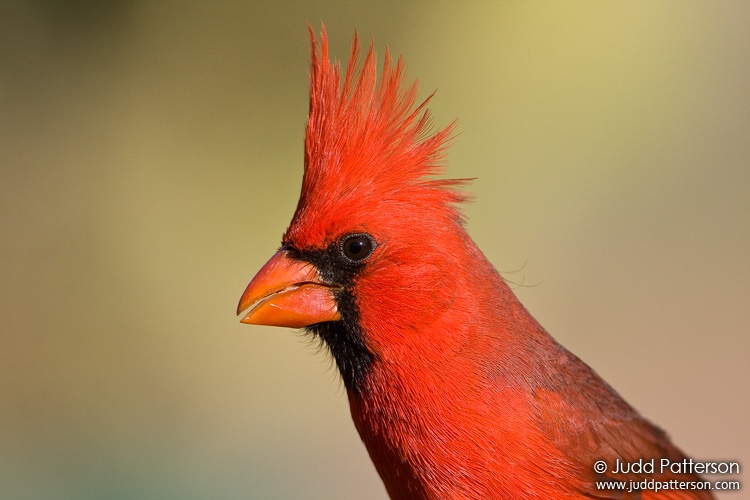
[455,389]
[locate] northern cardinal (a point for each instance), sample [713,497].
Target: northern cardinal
[455,389]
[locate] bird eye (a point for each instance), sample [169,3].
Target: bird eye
[357,247]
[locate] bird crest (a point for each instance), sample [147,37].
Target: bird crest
[367,142]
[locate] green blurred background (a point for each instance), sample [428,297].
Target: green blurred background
[151,157]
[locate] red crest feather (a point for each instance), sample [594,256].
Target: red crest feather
[367,141]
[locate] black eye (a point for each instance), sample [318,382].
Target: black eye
[357,247]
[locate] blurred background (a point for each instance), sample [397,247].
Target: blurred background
[151,157]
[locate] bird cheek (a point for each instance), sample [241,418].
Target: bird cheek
[392,323]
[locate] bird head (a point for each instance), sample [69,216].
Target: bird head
[366,262]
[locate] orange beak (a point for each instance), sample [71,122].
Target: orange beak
[290,293]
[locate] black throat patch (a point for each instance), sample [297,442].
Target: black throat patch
[344,338]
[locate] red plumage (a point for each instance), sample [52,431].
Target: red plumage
[366,143]
[455,389]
